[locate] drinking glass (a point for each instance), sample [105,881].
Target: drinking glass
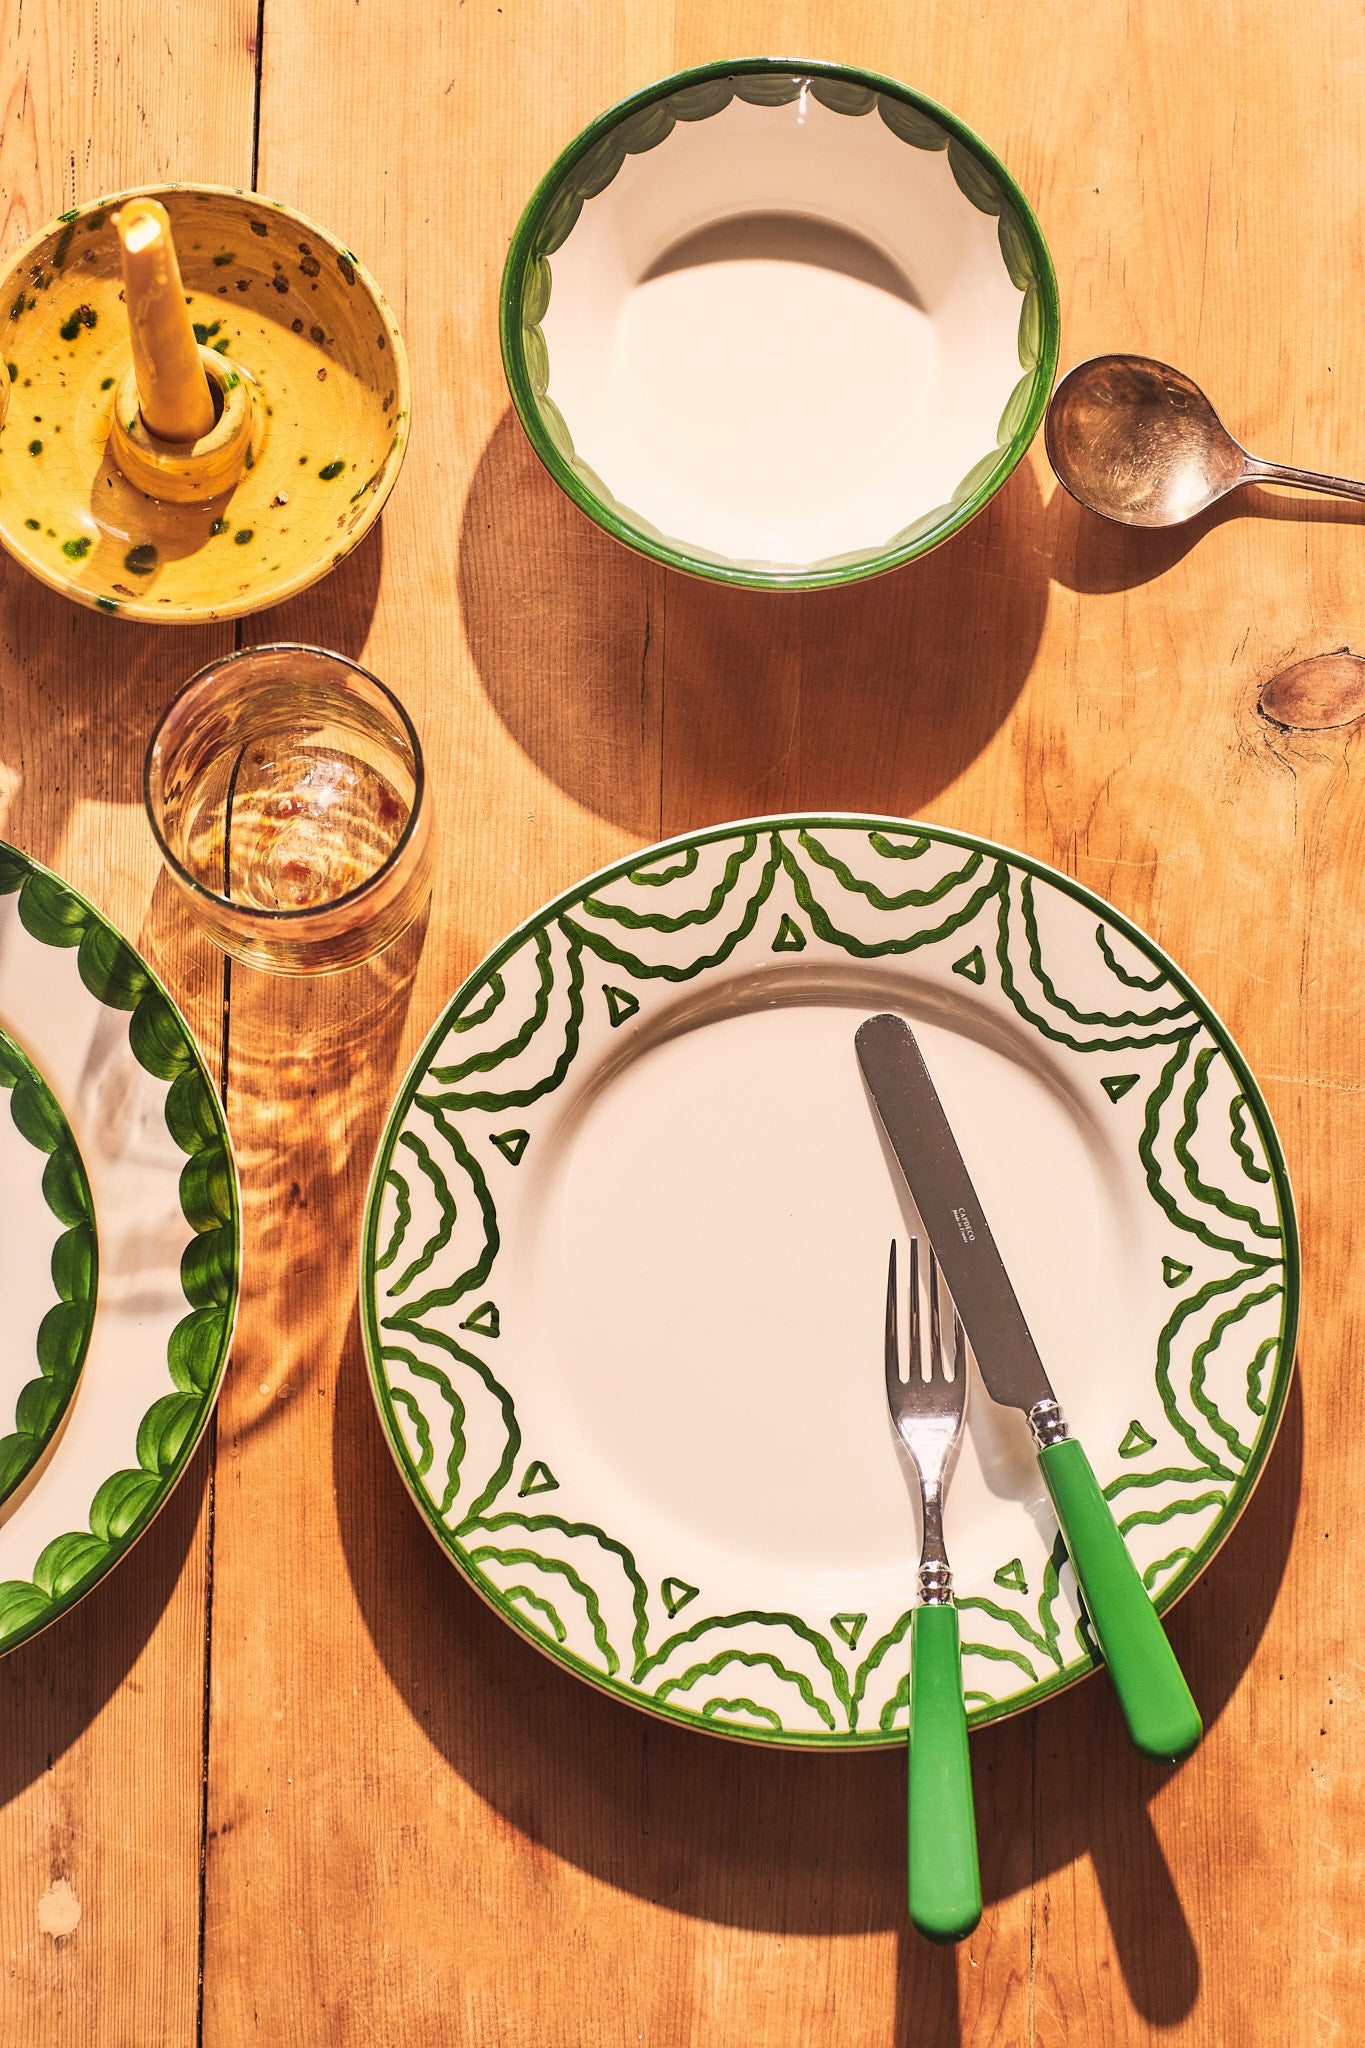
[285,789]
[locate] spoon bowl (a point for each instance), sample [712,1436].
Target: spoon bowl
[1138,442]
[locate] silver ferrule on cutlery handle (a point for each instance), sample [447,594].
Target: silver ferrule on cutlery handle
[935,1577]
[1047,1423]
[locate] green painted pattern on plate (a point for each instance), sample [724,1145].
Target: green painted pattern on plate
[64,1333]
[861,889]
[126,1502]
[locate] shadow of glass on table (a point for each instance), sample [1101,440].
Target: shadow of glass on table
[311,1069]
[789,1841]
[661,701]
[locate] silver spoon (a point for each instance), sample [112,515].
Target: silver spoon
[1137,441]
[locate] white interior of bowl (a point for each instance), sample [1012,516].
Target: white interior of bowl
[783,334]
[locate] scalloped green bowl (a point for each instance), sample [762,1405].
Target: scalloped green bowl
[781,324]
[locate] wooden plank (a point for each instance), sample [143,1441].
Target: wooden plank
[101,1783]
[415,1825]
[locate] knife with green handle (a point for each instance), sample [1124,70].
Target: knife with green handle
[1161,1715]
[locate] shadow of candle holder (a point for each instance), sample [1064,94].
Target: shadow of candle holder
[102,683]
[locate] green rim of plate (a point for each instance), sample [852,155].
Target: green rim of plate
[124,1506]
[486,980]
[64,1333]
[639,123]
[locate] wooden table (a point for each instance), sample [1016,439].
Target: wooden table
[301,1785]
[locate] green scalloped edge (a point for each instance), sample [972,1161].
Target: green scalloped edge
[63,1339]
[641,123]
[126,1503]
[1196,1559]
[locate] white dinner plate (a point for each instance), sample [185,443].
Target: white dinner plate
[624,1268]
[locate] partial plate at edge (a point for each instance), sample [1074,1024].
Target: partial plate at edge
[120,1071]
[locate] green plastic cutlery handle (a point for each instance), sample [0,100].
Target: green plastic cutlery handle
[1162,1718]
[945,1883]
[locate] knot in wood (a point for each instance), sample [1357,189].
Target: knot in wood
[1316,694]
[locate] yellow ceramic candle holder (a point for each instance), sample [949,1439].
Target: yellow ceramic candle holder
[88,497]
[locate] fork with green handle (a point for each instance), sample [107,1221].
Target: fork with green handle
[945,1883]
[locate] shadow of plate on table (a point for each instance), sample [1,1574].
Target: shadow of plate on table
[54,1686]
[790,1841]
[661,701]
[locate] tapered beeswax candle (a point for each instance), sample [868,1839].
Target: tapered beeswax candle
[175,399]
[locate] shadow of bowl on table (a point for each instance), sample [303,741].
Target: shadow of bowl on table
[661,701]
[54,1686]
[790,1841]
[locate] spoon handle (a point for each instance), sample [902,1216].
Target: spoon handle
[1259,472]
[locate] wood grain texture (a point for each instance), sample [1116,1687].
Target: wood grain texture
[101,1718]
[416,1828]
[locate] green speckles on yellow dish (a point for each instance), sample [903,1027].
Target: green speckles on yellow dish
[145,559]
[84,316]
[331,469]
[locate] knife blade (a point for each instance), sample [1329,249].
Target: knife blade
[1161,1715]
[950,1209]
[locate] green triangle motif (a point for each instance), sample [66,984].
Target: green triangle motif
[1011,1576]
[790,937]
[537,1478]
[1173,1272]
[621,1003]
[849,1626]
[511,1144]
[483,1320]
[676,1594]
[1136,1440]
[1115,1085]
[972,965]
